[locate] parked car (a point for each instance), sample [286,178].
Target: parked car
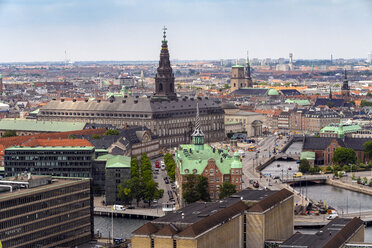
[332,216]
[118,207]
[166,180]
[131,207]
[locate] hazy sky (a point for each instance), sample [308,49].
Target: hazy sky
[41,30]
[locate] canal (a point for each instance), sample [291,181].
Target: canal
[345,201]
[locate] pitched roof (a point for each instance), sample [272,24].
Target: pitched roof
[251,91]
[324,101]
[167,230]
[146,229]
[115,161]
[270,201]
[213,220]
[321,143]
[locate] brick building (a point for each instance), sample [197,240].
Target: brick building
[324,147]
[201,159]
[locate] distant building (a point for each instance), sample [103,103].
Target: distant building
[241,76]
[324,147]
[247,219]
[337,129]
[201,159]
[251,122]
[44,211]
[167,116]
[369,59]
[345,89]
[1,83]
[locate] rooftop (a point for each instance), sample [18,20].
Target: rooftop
[191,159]
[39,126]
[115,161]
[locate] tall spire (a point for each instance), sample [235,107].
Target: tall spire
[330,93]
[164,79]
[248,69]
[197,135]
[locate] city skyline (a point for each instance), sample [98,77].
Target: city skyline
[197,30]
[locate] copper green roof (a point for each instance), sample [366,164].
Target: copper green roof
[272,92]
[198,160]
[2,168]
[40,126]
[115,161]
[237,66]
[335,128]
[35,112]
[298,102]
[308,155]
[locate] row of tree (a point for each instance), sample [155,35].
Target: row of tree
[170,166]
[141,185]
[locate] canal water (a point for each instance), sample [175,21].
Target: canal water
[345,201]
[284,168]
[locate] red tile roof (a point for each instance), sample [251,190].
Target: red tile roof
[57,142]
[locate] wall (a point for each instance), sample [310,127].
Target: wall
[358,236]
[141,242]
[163,242]
[255,230]
[279,221]
[226,235]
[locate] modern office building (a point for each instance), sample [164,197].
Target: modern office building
[169,117]
[44,211]
[247,219]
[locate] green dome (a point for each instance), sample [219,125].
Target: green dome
[272,92]
[236,164]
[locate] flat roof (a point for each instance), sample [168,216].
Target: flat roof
[40,126]
[58,148]
[56,182]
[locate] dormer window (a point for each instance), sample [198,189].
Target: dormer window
[187,171]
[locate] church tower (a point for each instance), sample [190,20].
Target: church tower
[345,90]
[248,77]
[198,135]
[237,77]
[164,79]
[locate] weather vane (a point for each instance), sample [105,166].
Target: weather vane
[164,33]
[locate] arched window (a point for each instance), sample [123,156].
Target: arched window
[160,87]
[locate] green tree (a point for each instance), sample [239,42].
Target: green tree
[112,132]
[137,188]
[227,189]
[226,86]
[365,180]
[151,191]
[96,136]
[170,166]
[196,188]
[343,155]
[367,148]
[72,136]
[304,166]
[9,133]
[369,94]
[125,194]
[134,168]
[365,103]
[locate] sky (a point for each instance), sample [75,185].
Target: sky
[122,30]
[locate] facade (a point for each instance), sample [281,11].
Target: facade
[167,116]
[248,121]
[117,171]
[246,219]
[240,76]
[283,120]
[201,159]
[324,147]
[46,212]
[345,89]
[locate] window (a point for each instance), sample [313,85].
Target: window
[211,179]
[211,171]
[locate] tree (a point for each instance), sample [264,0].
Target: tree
[367,148]
[304,166]
[137,188]
[343,155]
[151,191]
[227,189]
[112,132]
[72,136]
[196,188]
[124,194]
[9,133]
[134,169]
[96,136]
[170,166]
[369,94]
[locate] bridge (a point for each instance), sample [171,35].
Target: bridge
[314,179]
[294,138]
